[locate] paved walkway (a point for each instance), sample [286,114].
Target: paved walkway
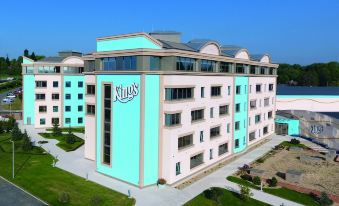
[74,162]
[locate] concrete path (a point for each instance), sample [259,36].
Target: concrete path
[74,162]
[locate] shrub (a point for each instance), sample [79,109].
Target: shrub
[273,182]
[294,141]
[161,181]
[245,192]
[96,201]
[260,160]
[70,139]
[324,200]
[27,144]
[56,129]
[213,194]
[43,142]
[63,197]
[2,127]
[256,180]
[246,177]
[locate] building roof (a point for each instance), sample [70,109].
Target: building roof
[52,59]
[174,45]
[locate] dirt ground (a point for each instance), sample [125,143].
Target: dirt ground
[321,176]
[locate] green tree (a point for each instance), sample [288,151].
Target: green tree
[56,129]
[70,139]
[16,133]
[33,57]
[245,192]
[27,144]
[26,53]
[324,200]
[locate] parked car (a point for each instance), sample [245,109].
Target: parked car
[10,93]
[7,100]
[10,78]
[11,96]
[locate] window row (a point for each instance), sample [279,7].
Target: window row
[55,120]
[254,105]
[55,96]
[43,84]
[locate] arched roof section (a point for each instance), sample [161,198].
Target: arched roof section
[205,46]
[263,58]
[235,52]
[73,60]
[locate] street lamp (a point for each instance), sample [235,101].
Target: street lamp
[12,159]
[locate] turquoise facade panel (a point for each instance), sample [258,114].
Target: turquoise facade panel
[136,42]
[125,138]
[74,102]
[27,61]
[151,131]
[29,99]
[241,116]
[293,125]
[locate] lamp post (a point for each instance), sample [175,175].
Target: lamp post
[12,159]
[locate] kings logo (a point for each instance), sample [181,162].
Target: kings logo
[125,94]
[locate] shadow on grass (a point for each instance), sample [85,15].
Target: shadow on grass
[22,165]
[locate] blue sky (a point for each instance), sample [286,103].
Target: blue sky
[292,31]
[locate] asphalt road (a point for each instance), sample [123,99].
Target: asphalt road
[3,95]
[11,195]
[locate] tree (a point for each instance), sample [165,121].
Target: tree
[256,180]
[56,129]
[70,139]
[27,144]
[16,133]
[213,193]
[33,57]
[324,200]
[245,192]
[8,63]
[26,53]
[273,182]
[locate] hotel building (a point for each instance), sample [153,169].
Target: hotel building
[53,91]
[153,106]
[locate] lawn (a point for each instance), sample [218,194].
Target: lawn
[289,144]
[73,129]
[35,173]
[62,141]
[285,193]
[17,105]
[227,198]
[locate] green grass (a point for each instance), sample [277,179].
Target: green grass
[73,129]
[227,198]
[62,141]
[285,193]
[17,105]
[289,144]
[35,173]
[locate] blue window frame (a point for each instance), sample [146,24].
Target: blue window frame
[80,96]
[120,63]
[67,96]
[68,84]
[80,84]
[67,108]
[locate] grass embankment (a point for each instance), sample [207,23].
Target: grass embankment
[35,173]
[17,105]
[73,129]
[227,198]
[6,86]
[62,141]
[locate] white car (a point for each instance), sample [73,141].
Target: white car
[11,96]
[7,100]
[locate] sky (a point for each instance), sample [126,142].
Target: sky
[291,31]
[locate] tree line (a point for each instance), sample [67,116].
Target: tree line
[318,74]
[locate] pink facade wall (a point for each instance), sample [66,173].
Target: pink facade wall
[170,135]
[314,104]
[260,108]
[90,123]
[48,101]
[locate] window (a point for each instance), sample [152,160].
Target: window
[178,93]
[201,136]
[270,87]
[68,84]
[80,108]
[229,90]
[228,127]
[211,112]
[271,71]
[223,149]
[250,88]
[55,108]
[67,96]
[90,89]
[237,125]
[196,160]
[266,102]
[253,104]
[270,115]
[214,132]
[119,63]
[237,107]
[107,124]
[41,84]
[80,84]
[252,69]
[237,143]
[80,96]
[257,118]
[249,121]
[154,63]
[223,110]
[42,121]
[258,88]
[55,96]
[262,70]
[185,64]
[240,68]
[215,91]
[177,168]
[172,119]
[238,89]
[67,108]
[265,131]
[251,136]
[55,120]
[55,84]
[80,120]
[42,108]
[68,120]
[206,65]
[185,141]
[40,96]
[202,92]
[91,109]
[211,154]
[197,115]
[225,67]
